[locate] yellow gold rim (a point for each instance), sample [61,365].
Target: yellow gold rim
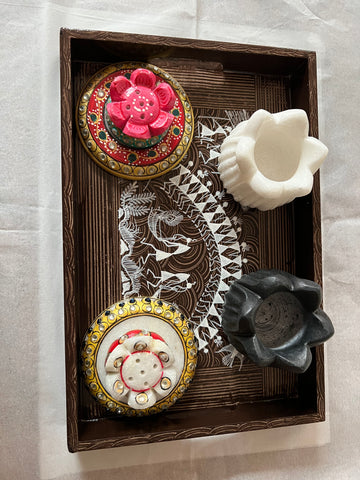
[116,314]
[105,161]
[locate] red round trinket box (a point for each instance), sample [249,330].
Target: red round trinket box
[135,120]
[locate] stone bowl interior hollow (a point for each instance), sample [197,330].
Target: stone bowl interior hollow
[279,320]
[277,154]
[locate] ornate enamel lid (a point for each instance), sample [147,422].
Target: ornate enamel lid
[139,356]
[134,120]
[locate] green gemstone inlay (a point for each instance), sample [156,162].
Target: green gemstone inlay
[132,157]
[93,117]
[152,153]
[176,131]
[102,135]
[127,75]
[176,112]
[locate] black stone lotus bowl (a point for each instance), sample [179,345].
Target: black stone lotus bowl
[274,318]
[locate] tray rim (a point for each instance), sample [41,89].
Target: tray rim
[67,127]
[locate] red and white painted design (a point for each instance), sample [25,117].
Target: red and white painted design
[140,369]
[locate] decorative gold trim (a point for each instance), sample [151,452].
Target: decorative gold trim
[116,314]
[105,161]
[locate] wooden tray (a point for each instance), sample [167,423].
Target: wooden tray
[219,78]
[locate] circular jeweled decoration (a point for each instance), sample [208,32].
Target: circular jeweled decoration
[140,363]
[118,150]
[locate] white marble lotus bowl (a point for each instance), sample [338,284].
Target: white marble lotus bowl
[269,160]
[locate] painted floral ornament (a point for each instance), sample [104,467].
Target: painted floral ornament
[274,318]
[139,108]
[139,356]
[138,368]
[269,160]
[135,120]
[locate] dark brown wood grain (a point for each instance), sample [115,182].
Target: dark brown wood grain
[216,76]
[71,343]
[316,205]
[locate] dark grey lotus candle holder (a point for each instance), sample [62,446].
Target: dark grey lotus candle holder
[274,318]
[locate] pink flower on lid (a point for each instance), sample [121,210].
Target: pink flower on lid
[140,108]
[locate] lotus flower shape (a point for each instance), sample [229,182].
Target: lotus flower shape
[138,107]
[139,369]
[274,318]
[269,160]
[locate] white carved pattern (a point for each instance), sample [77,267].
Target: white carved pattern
[195,201]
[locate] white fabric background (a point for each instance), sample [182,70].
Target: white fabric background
[33,443]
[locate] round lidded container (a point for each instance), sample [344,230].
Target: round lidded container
[139,356]
[135,120]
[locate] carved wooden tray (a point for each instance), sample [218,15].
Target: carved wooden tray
[190,239]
